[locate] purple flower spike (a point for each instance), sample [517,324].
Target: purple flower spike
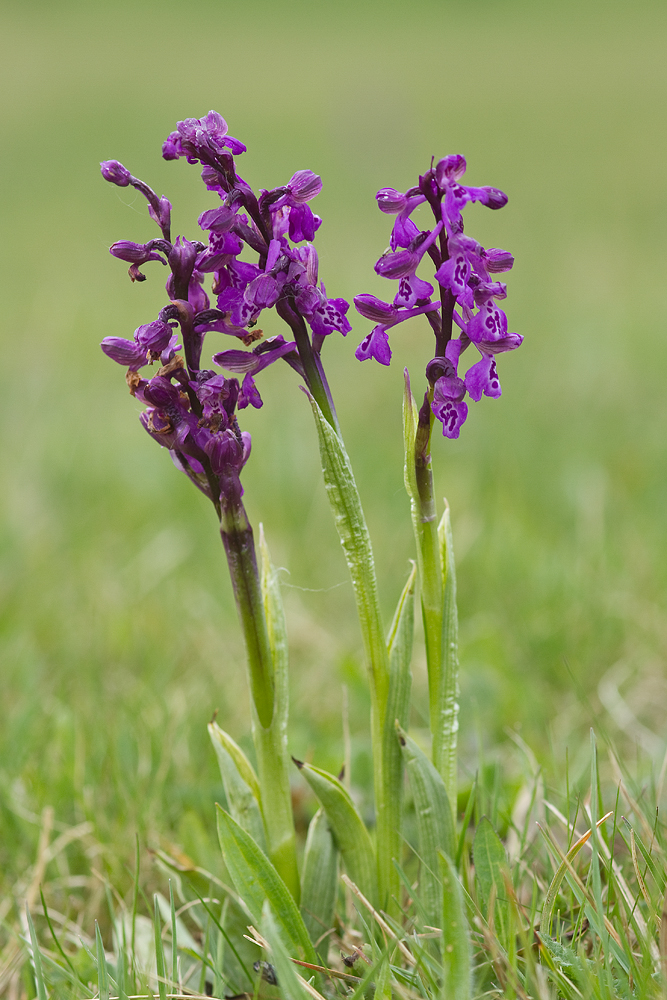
[115,173]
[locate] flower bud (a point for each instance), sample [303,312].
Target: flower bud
[115,172]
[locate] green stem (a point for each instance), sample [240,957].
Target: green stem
[269,715]
[437,579]
[349,519]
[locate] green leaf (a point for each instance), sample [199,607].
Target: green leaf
[446,736]
[350,833]
[277,627]
[240,783]
[456,979]
[351,526]
[319,879]
[289,981]
[255,879]
[400,642]
[490,862]
[159,952]
[271,742]
[434,823]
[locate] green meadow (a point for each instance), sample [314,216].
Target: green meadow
[118,633]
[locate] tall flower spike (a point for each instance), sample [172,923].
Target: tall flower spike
[462,273]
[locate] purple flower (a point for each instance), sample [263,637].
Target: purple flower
[447,173]
[138,253]
[448,391]
[125,352]
[195,138]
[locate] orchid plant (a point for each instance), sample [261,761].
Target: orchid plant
[258,248]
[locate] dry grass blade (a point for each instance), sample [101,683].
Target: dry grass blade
[405,952]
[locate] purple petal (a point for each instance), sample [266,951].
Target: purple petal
[498,260]
[374,309]
[412,290]
[249,394]
[397,265]
[482,380]
[390,201]
[448,388]
[403,232]
[219,220]
[375,345]
[154,336]
[450,169]
[124,352]
[452,416]
[489,324]
[251,362]
[134,253]
[304,185]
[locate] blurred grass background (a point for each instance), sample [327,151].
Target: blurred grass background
[118,635]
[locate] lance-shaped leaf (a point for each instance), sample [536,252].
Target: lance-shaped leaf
[277,628]
[255,879]
[399,644]
[446,736]
[271,742]
[490,862]
[319,879]
[456,979]
[240,783]
[292,985]
[435,828]
[350,833]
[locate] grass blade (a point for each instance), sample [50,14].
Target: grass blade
[40,982]
[159,952]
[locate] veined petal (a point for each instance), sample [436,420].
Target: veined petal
[373,308]
[124,352]
[450,169]
[390,200]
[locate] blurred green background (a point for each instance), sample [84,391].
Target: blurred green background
[118,635]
